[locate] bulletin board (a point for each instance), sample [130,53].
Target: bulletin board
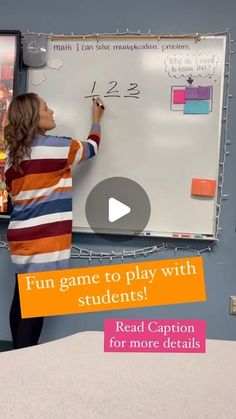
[162,125]
[9,77]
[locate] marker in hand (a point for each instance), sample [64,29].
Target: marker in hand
[99,103]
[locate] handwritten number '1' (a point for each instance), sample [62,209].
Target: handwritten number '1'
[94,84]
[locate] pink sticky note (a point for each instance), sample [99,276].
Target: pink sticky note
[179,96]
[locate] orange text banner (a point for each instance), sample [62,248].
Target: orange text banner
[112,287]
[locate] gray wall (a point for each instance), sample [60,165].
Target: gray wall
[184,16]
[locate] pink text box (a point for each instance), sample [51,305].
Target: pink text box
[154,335]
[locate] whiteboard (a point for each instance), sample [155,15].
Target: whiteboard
[151,133]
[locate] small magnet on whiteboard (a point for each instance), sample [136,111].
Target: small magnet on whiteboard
[203,187]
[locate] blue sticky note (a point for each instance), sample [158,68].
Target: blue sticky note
[197,107]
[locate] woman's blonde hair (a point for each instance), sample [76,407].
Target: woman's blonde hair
[22,127]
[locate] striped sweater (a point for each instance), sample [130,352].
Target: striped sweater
[39,232]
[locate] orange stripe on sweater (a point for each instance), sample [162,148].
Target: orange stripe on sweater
[45,245]
[75,145]
[38,181]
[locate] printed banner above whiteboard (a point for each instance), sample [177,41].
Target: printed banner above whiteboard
[161,127]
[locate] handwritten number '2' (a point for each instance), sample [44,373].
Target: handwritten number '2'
[111,91]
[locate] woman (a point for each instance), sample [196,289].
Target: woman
[38,179]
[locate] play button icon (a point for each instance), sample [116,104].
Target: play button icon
[118,205]
[117,210]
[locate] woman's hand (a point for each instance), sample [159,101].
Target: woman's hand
[98,109]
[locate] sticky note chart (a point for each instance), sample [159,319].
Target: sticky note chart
[193,100]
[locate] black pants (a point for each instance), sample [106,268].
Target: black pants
[25,332]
